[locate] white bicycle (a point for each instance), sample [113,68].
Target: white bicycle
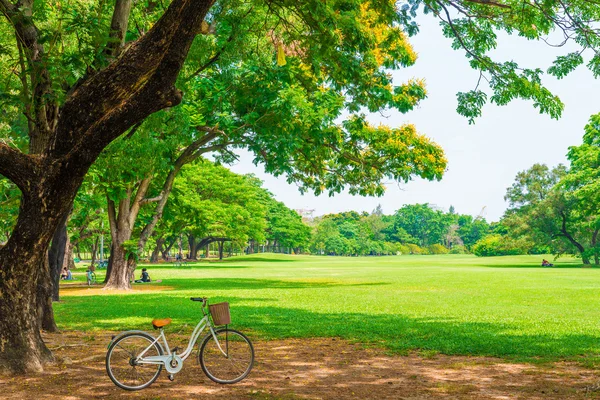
[135,358]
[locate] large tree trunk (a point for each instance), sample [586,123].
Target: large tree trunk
[24,276]
[44,298]
[122,271]
[56,255]
[69,261]
[121,228]
[64,145]
[157,250]
[167,249]
[94,250]
[110,263]
[180,247]
[220,249]
[193,251]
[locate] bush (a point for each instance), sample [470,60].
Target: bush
[403,249]
[414,249]
[459,249]
[498,245]
[437,249]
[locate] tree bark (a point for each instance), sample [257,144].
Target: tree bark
[109,267]
[221,249]
[24,275]
[118,27]
[69,262]
[123,263]
[44,298]
[180,247]
[157,250]
[594,242]
[137,84]
[166,250]
[123,268]
[94,250]
[56,255]
[193,247]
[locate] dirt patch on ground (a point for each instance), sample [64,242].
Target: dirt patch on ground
[308,369]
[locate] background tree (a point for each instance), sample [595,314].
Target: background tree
[216,205]
[421,222]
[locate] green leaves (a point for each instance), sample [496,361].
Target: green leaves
[209,200]
[470,104]
[564,65]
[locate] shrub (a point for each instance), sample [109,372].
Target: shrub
[458,249]
[414,249]
[437,249]
[498,245]
[403,249]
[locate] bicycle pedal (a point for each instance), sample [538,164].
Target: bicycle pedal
[175,349]
[171,377]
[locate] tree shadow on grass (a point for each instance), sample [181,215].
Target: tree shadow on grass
[557,265]
[257,259]
[259,317]
[215,263]
[398,333]
[199,265]
[225,284]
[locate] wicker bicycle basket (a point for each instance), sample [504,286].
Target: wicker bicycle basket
[220,313]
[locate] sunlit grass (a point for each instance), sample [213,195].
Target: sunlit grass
[453,304]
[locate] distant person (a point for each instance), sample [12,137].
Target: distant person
[145,278]
[66,274]
[90,276]
[546,263]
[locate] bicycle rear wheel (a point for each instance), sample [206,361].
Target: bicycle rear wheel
[232,364]
[121,366]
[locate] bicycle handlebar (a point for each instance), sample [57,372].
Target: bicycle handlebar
[202,299]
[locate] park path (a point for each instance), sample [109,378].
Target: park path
[309,369]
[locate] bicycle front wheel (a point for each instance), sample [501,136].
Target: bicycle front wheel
[121,364]
[231,362]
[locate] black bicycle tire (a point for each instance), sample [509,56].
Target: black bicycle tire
[209,337]
[113,345]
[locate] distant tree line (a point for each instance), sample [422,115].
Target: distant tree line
[412,229]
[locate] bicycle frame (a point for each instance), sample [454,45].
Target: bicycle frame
[172,361]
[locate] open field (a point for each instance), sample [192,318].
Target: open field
[409,327]
[507,307]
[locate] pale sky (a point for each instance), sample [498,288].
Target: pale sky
[484,158]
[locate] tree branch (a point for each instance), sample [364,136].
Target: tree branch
[190,154]
[152,199]
[17,166]
[211,61]
[488,3]
[137,84]
[45,107]
[118,28]
[137,201]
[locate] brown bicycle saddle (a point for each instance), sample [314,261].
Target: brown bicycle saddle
[159,323]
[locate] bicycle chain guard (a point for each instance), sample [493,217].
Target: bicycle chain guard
[178,364]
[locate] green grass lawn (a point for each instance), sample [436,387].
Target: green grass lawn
[452,304]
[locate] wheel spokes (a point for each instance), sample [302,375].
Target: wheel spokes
[123,369]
